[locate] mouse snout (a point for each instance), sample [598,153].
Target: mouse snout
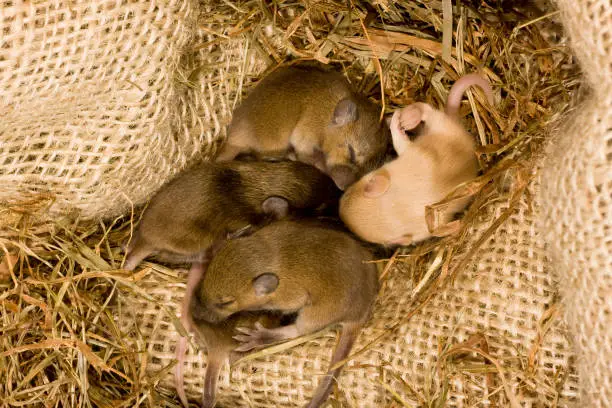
[210,313]
[343,175]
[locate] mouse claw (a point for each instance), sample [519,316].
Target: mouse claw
[243,338]
[245,330]
[248,343]
[411,116]
[244,348]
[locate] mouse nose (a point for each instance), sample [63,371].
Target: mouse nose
[343,176]
[202,312]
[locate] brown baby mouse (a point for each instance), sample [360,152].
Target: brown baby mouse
[435,155]
[312,115]
[216,337]
[319,273]
[211,200]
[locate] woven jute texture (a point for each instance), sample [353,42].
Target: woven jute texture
[93,102]
[576,201]
[102,101]
[505,293]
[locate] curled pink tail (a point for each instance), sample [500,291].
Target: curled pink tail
[456,93]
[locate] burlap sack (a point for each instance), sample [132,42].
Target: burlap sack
[506,293]
[576,201]
[132,104]
[92,102]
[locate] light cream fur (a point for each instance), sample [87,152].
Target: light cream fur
[426,170]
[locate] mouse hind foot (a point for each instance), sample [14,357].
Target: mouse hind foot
[136,254]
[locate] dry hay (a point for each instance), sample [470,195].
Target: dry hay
[62,343]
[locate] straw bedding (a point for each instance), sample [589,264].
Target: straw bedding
[103,101]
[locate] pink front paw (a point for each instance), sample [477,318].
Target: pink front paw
[410,117]
[253,337]
[407,124]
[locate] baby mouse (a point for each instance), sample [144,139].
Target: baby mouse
[435,154]
[301,267]
[216,337]
[210,200]
[311,115]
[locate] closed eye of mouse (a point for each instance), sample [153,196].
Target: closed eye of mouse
[223,304]
[352,156]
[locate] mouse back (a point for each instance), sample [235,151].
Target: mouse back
[282,264]
[305,111]
[211,201]
[303,186]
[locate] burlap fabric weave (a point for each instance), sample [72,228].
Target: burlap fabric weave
[505,294]
[101,102]
[95,104]
[576,201]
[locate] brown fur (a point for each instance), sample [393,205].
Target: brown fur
[211,200]
[291,113]
[320,275]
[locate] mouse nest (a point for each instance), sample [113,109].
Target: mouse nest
[468,320]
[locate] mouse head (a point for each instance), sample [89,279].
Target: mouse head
[355,141]
[242,276]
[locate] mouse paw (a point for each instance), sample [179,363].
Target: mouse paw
[254,337]
[411,116]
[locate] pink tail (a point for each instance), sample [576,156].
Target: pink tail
[348,335]
[179,381]
[456,93]
[195,274]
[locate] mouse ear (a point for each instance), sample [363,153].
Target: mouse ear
[265,284]
[276,206]
[345,112]
[378,184]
